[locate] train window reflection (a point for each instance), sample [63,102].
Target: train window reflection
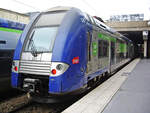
[42,39]
[102,48]
[50,19]
[2,42]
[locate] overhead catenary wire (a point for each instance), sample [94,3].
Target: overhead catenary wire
[85,2]
[22,3]
[35,8]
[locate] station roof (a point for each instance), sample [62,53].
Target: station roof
[131,29]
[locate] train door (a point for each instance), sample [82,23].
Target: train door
[120,52]
[100,53]
[92,50]
[109,56]
[117,51]
[89,64]
[94,59]
[103,51]
[112,55]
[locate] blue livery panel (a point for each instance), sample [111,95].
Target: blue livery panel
[71,42]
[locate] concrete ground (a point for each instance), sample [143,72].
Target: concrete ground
[122,93]
[134,94]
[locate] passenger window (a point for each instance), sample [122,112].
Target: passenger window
[102,48]
[105,49]
[112,52]
[49,19]
[2,42]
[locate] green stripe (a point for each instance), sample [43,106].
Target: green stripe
[112,39]
[105,37]
[10,30]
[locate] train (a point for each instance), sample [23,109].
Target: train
[10,32]
[63,51]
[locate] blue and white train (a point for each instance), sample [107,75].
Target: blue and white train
[63,50]
[10,32]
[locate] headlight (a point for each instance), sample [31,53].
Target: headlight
[58,68]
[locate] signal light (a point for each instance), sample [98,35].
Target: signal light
[53,71]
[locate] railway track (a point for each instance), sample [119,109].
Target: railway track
[43,108]
[6,95]
[11,105]
[23,104]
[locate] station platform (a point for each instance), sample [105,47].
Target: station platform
[128,91]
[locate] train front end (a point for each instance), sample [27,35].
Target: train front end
[44,62]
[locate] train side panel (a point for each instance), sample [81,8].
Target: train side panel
[72,48]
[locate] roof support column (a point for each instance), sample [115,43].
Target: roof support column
[145,38]
[145,48]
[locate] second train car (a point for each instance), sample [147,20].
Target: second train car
[10,32]
[62,50]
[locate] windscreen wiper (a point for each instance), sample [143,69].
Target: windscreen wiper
[33,47]
[39,52]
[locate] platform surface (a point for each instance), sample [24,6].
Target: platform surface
[134,94]
[106,98]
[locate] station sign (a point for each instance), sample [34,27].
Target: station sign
[145,35]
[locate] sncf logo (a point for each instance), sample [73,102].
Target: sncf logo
[75,60]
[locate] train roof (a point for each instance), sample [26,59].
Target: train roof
[90,18]
[58,8]
[11,24]
[110,30]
